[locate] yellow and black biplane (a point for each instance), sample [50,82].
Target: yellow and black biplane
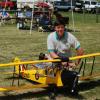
[53,76]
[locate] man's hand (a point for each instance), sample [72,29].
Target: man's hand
[64,59]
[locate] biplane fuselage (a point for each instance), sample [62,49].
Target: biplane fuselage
[40,76]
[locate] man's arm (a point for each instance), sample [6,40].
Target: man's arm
[53,55]
[80,51]
[51,46]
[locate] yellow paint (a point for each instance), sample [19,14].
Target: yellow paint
[17,60]
[3,89]
[85,56]
[11,88]
[30,74]
[58,78]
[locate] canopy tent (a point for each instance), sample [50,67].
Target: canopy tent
[42,4]
[22,3]
[7,4]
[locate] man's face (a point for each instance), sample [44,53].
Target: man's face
[60,30]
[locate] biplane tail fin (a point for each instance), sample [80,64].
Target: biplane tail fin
[16,60]
[18,67]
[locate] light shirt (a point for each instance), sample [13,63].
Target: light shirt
[62,46]
[28,14]
[4,14]
[20,14]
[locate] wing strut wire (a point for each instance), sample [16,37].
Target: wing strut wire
[13,76]
[84,67]
[92,65]
[81,67]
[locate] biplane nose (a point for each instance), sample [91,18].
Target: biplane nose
[70,80]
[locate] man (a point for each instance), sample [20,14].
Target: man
[5,16]
[60,42]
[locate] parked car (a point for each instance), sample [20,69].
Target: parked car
[60,5]
[90,5]
[98,5]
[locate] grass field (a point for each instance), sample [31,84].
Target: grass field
[26,46]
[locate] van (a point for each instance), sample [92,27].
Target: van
[90,5]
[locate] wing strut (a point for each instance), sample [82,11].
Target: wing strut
[13,76]
[92,65]
[84,67]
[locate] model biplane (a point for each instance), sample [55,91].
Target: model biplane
[53,76]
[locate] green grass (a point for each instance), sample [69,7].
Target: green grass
[20,43]
[26,46]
